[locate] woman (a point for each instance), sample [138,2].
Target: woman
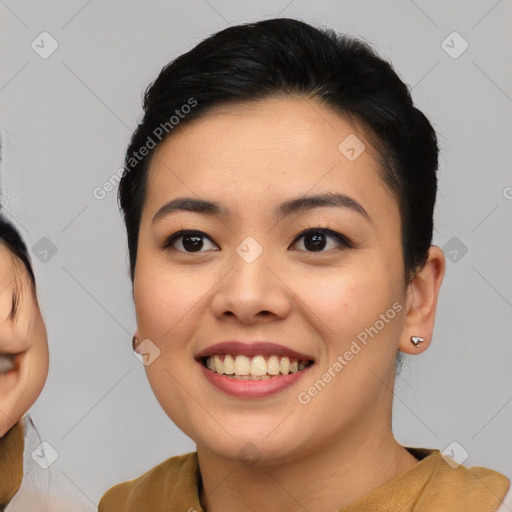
[278,197]
[23,355]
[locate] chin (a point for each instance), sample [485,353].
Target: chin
[264,446]
[256,452]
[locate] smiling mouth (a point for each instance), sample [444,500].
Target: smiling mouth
[259,367]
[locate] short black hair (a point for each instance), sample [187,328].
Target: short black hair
[283,57]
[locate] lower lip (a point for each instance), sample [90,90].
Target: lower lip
[251,388]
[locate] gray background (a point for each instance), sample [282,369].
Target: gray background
[66,121]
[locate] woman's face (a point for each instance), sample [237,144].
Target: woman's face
[251,277]
[23,343]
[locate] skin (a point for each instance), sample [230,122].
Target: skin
[250,158]
[24,335]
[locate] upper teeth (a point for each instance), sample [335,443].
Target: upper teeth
[242,365]
[6,364]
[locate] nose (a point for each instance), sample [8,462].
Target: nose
[253,291]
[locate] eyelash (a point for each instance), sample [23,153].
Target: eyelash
[345,242]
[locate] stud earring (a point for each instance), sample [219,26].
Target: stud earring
[135,342]
[416,340]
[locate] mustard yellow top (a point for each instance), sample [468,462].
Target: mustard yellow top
[11,463]
[432,485]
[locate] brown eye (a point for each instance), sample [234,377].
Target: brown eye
[315,240]
[191,241]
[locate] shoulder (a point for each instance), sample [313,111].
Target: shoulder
[506,506]
[169,483]
[479,488]
[11,462]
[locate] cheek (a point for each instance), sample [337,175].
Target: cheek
[345,299]
[164,299]
[35,373]
[355,306]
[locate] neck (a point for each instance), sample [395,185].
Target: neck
[344,470]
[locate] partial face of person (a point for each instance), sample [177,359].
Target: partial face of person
[23,342]
[312,291]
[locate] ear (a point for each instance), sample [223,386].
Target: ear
[421,303]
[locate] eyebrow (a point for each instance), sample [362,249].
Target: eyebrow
[289,207]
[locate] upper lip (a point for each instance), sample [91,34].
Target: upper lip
[251,349]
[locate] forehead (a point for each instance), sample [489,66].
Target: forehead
[268,150]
